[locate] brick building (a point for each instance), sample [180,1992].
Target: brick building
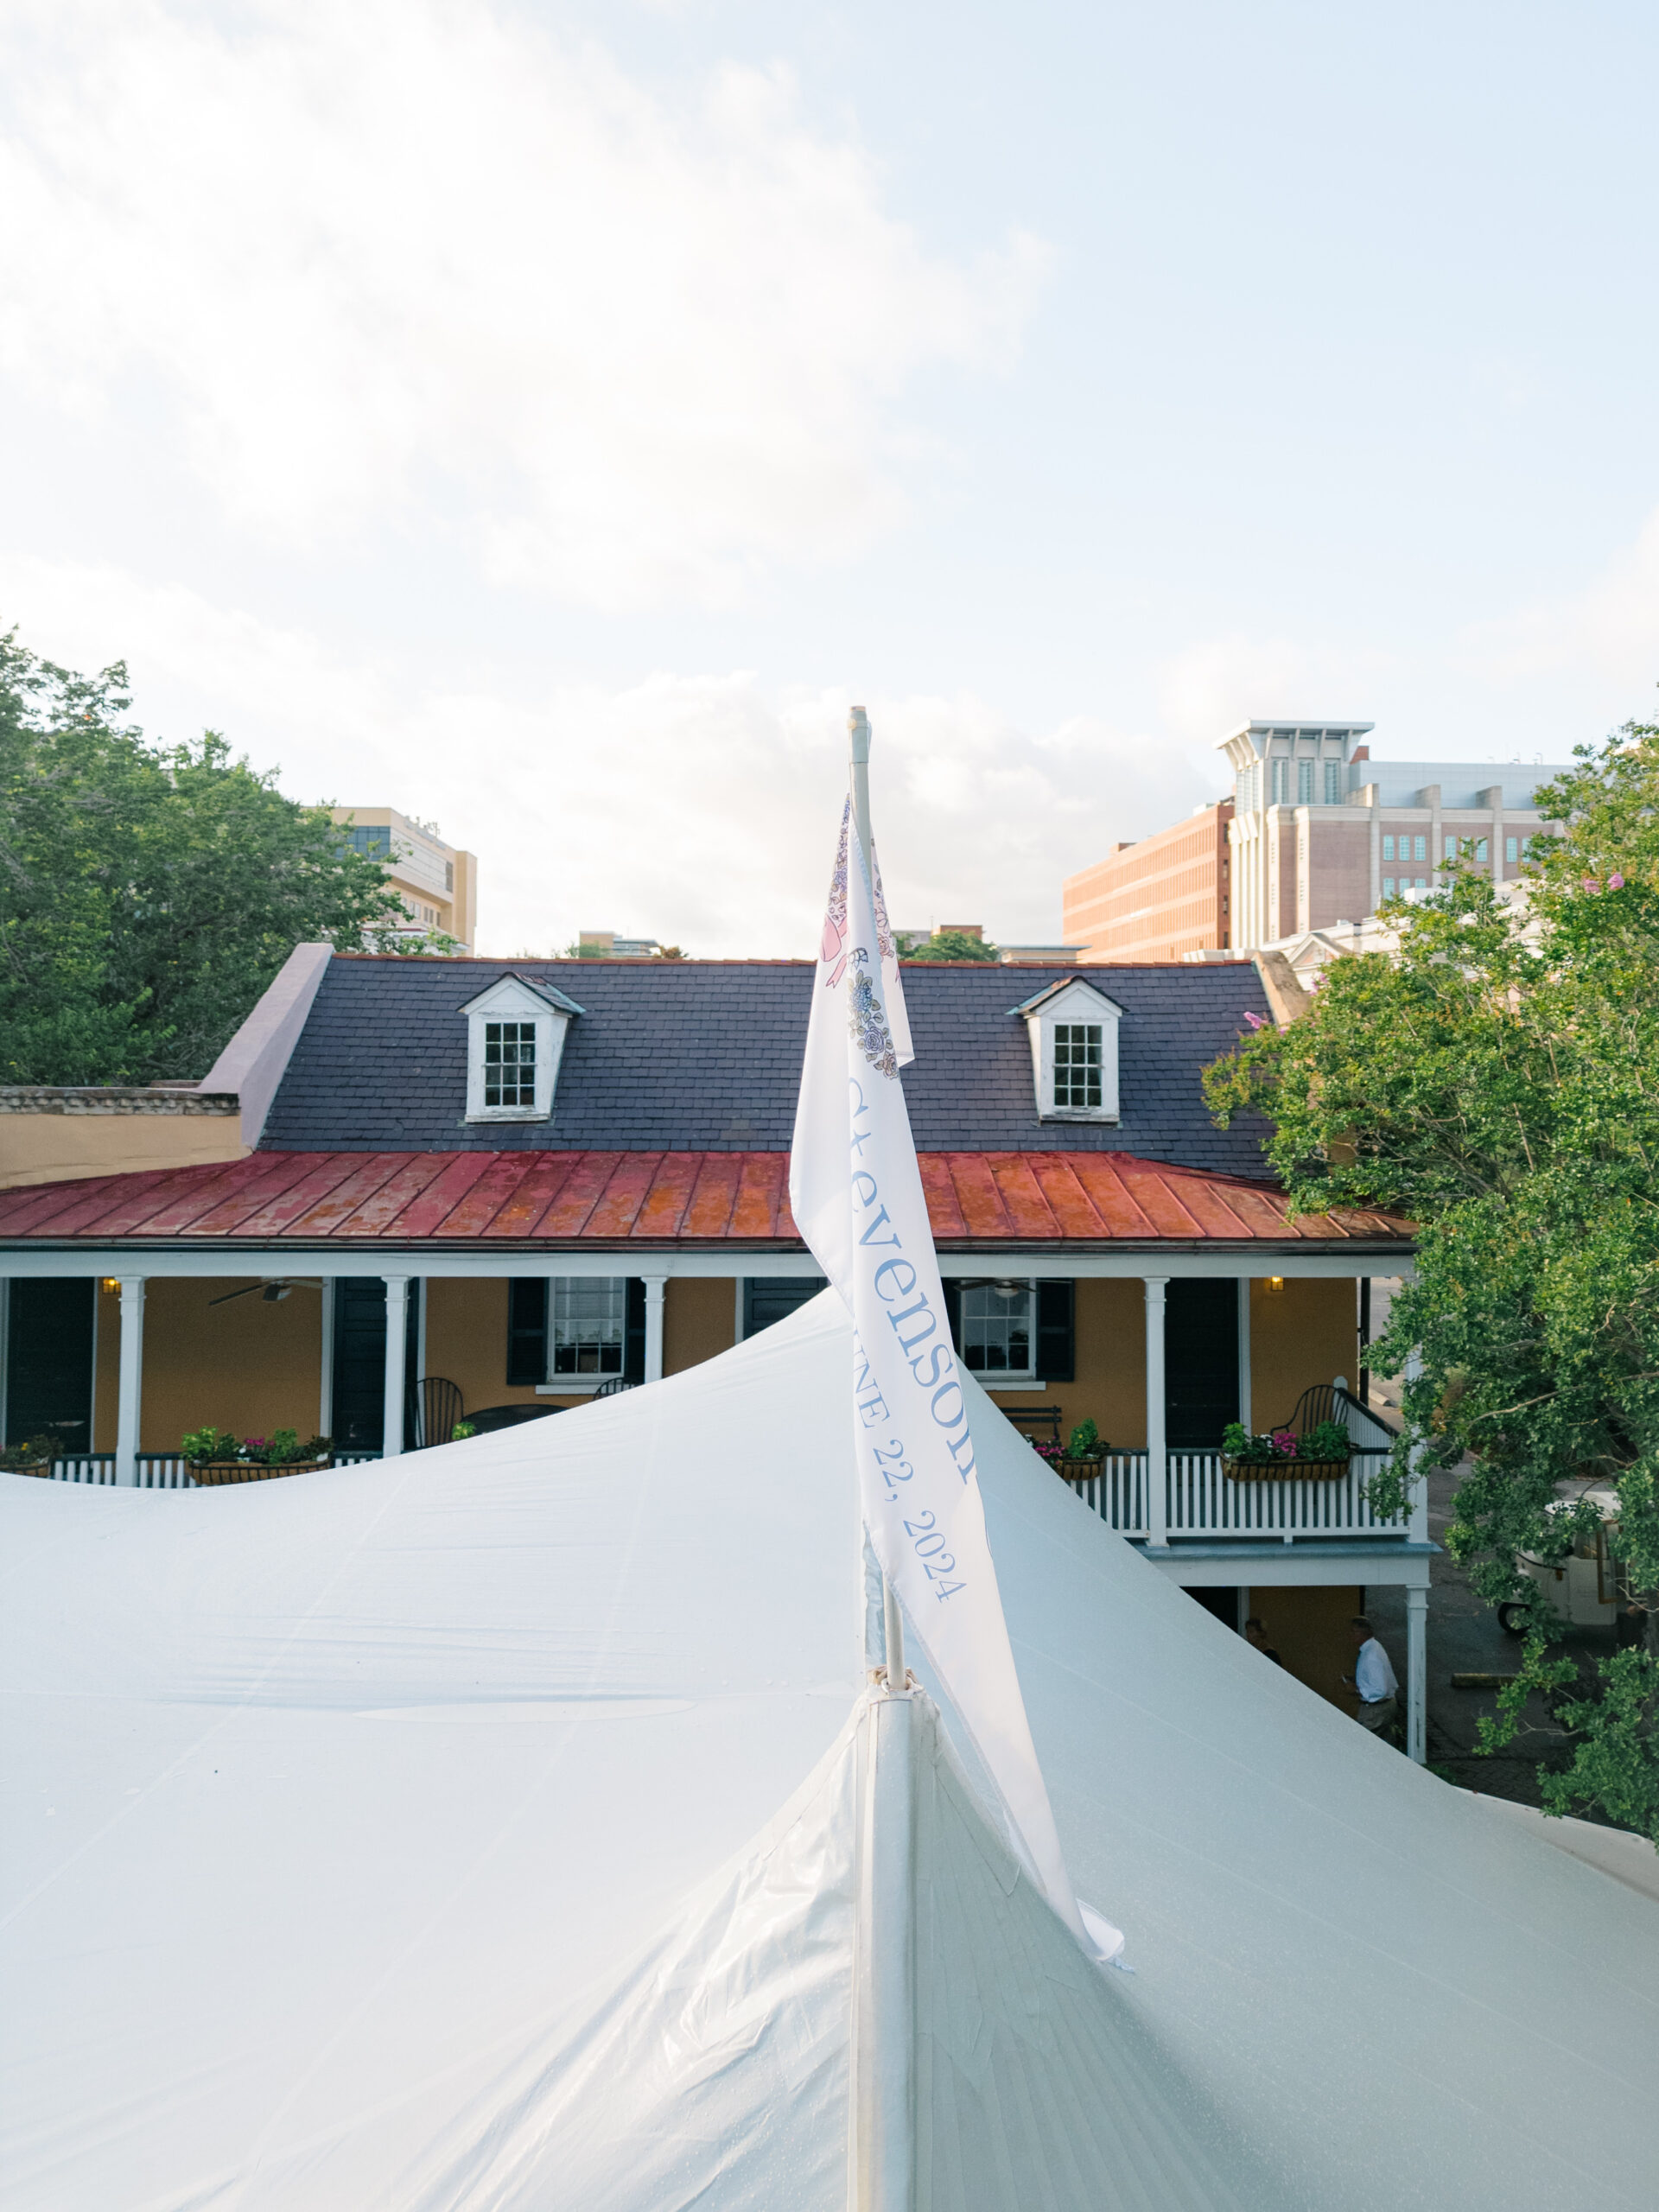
[1160,900]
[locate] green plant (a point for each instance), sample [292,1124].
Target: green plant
[462,1428]
[1327,1440]
[202,1444]
[1085,1440]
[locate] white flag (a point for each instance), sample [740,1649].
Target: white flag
[856,1193]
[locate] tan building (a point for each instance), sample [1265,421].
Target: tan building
[437,883]
[1160,900]
[1321,833]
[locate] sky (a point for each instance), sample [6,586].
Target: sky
[547,419]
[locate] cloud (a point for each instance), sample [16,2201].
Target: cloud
[1607,632]
[698,808]
[1216,683]
[422,264]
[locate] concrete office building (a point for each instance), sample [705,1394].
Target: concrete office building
[437,883]
[1321,832]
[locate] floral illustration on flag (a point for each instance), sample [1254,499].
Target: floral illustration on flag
[832,950]
[868,1024]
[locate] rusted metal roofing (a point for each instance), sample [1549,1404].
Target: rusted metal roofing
[452,1199]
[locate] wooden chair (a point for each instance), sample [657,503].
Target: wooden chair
[434,1406]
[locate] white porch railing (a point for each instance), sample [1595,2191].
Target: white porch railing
[1200,1501]
[156,1469]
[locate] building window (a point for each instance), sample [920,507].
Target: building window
[1333,791]
[1512,849]
[374,843]
[448,876]
[1076,1063]
[509,1064]
[1304,783]
[1388,886]
[1422,851]
[1280,782]
[1422,883]
[1480,849]
[590,1320]
[515,1040]
[1387,848]
[1451,845]
[996,1328]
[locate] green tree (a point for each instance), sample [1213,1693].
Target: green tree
[1498,1083]
[952,944]
[148,894]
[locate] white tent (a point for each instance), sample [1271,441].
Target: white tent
[481,1828]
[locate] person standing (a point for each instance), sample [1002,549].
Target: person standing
[1374,1679]
[1257,1637]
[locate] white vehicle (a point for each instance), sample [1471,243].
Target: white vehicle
[1583,1589]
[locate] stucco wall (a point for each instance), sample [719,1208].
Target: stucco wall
[1307,1332]
[68,1147]
[249,1366]
[699,1320]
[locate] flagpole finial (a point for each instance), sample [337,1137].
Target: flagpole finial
[858,725]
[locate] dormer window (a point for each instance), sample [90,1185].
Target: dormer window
[515,1040]
[1073,1031]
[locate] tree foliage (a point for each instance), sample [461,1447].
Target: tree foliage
[952,944]
[148,894]
[1498,1083]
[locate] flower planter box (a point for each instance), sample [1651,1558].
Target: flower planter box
[1079,1470]
[210,1472]
[1274,1471]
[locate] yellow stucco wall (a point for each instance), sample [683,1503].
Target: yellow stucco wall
[252,1366]
[68,1147]
[249,1366]
[699,1320]
[1307,1332]
[1309,1630]
[1111,1367]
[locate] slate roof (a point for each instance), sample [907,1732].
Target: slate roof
[633,1200]
[705,1055]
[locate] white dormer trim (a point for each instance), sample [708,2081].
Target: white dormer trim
[1071,1003]
[516,999]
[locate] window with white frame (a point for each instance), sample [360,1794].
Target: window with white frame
[509,1064]
[590,1326]
[1073,1031]
[515,1040]
[1077,1051]
[999,1332]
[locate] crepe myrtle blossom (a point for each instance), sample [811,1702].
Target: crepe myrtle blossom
[1255,1021]
[1615,882]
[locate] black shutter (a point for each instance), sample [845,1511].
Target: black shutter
[952,1287]
[49,1360]
[633,1337]
[1057,1334]
[527,1331]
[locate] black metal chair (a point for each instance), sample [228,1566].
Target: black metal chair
[491,1418]
[613,1383]
[1046,1417]
[434,1406]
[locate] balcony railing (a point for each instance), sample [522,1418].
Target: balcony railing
[1200,1502]
[156,1469]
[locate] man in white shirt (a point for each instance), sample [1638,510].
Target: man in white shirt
[1374,1678]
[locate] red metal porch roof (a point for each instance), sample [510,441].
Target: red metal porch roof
[631,1199]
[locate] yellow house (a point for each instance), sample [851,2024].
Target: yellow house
[491,1191]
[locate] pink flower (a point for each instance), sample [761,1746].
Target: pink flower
[1284,1441]
[1615,882]
[1589,883]
[1255,1019]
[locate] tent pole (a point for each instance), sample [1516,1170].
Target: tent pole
[894,1622]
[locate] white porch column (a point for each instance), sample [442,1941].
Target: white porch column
[1417,1674]
[397,1327]
[655,1285]
[1417,1521]
[1244,1415]
[129,1401]
[1157,1457]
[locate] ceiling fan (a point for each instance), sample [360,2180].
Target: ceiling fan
[277,1287]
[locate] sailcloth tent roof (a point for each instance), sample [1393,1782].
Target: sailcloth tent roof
[477,1828]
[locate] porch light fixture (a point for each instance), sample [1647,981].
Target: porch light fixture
[1276,1282]
[111,1283]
